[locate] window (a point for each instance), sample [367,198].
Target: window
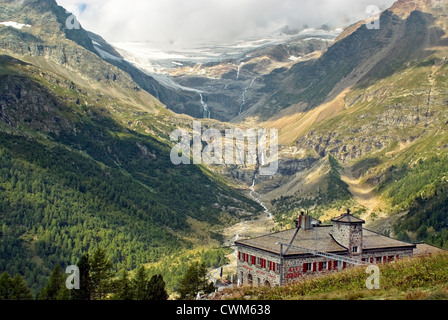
[340,264]
[355,250]
[309,266]
[324,265]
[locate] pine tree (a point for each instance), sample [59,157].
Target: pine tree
[194,281]
[85,282]
[5,286]
[101,275]
[19,290]
[55,288]
[157,288]
[140,284]
[124,290]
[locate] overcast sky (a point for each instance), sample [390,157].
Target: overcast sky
[182,22]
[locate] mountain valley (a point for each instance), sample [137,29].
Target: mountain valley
[85,136]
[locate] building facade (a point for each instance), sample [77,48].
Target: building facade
[311,249]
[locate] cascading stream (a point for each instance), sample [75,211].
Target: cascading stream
[256,197]
[243,96]
[207,114]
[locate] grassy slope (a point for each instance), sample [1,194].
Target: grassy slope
[410,279]
[88,180]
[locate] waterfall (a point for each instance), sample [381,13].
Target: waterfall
[243,102]
[252,82]
[243,96]
[239,69]
[207,114]
[256,197]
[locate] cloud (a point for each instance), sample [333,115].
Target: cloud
[181,22]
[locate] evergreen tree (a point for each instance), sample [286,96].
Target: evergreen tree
[101,275]
[55,288]
[85,281]
[5,286]
[157,288]
[140,284]
[124,290]
[194,281]
[19,290]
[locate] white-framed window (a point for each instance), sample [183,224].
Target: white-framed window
[355,249]
[324,265]
[340,264]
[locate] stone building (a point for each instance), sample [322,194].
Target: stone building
[311,249]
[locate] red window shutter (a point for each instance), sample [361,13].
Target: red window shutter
[239,255]
[335,264]
[330,263]
[397,256]
[253,259]
[314,266]
[384,259]
[320,266]
[304,267]
[344,265]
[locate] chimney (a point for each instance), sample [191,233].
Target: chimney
[304,221]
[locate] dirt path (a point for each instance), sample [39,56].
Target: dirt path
[363,194]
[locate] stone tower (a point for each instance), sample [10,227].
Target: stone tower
[347,231]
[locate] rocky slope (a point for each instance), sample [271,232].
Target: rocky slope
[375,101]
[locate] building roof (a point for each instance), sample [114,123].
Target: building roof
[373,241]
[425,249]
[318,239]
[347,218]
